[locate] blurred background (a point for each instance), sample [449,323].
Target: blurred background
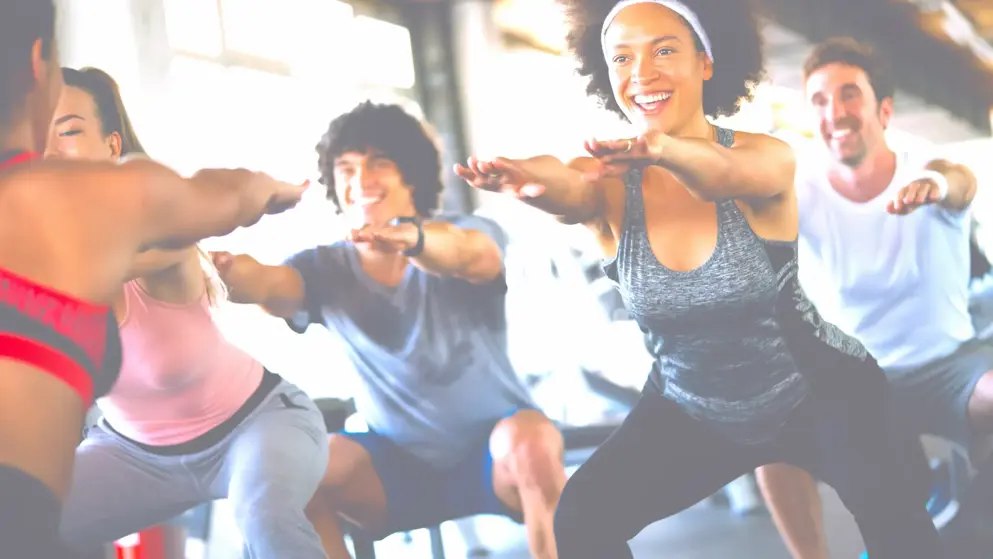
[254,83]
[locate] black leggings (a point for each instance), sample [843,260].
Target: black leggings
[662,461]
[29,518]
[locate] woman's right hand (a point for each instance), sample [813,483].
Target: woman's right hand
[523,178]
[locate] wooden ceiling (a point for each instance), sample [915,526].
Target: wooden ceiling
[980,12]
[976,15]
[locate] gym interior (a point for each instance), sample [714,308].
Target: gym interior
[494,77]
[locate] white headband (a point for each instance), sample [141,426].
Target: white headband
[675,5]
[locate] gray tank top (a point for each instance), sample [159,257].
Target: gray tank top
[725,335]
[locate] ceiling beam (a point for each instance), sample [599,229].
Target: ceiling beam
[940,73]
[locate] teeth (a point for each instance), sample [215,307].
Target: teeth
[653,98]
[840,133]
[368,200]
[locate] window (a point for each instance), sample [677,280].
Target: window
[194,26]
[383,53]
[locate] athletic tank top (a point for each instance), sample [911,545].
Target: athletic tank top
[74,340]
[180,377]
[727,336]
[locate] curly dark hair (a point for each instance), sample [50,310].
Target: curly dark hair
[848,51]
[398,136]
[735,39]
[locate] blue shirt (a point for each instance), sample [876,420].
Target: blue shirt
[431,352]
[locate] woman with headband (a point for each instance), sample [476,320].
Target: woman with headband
[192,418]
[704,222]
[69,235]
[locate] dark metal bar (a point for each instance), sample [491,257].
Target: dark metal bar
[431,35]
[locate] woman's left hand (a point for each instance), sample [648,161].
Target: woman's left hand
[617,156]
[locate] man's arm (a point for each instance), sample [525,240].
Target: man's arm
[469,254]
[930,188]
[470,248]
[961,184]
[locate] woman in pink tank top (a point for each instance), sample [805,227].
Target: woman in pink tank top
[192,418]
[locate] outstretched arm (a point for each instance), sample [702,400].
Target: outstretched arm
[757,167]
[961,184]
[177,211]
[949,185]
[471,250]
[544,182]
[279,290]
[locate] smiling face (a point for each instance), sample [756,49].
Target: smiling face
[371,189]
[852,123]
[656,71]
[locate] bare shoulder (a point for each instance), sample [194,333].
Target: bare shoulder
[93,196]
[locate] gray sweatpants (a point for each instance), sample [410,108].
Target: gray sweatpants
[269,467]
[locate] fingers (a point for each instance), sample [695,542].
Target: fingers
[486,175]
[604,148]
[913,196]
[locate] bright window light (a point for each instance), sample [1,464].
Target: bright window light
[382,53]
[193,26]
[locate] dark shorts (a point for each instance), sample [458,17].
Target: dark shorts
[419,494]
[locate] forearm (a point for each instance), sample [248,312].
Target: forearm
[566,195]
[704,167]
[464,253]
[961,184]
[181,211]
[279,290]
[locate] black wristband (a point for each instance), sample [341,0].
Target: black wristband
[418,248]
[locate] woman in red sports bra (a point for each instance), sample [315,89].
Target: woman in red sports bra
[69,233]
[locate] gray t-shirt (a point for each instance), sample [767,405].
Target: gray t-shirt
[432,352]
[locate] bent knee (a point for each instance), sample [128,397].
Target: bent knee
[531,443]
[347,461]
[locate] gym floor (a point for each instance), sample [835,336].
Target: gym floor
[703,532]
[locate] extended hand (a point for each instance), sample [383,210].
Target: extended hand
[388,238]
[916,194]
[285,196]
[500,175]
[617,156]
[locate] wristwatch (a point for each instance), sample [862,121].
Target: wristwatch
[418,248]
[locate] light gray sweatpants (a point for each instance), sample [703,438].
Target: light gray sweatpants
[269,467]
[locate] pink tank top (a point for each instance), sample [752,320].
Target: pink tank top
[180,377]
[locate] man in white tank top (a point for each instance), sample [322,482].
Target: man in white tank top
[884,252]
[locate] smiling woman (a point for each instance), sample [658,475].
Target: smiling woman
[732,37]
[703,223]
